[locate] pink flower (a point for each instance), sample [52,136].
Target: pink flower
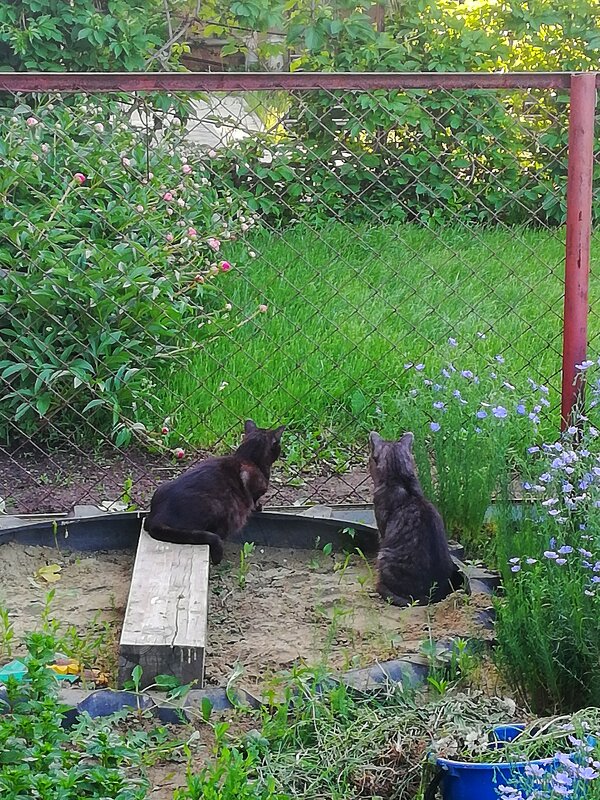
[181,202]
[139,208]
[164,430]
[31,122]
[192,232]
[263,308]
[225,266]
[167,196]
[179,452]
[169,237]
[79,177]
[126,162]
[199,278]
[186,169]
[214,244]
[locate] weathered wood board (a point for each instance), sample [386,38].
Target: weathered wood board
[166,619]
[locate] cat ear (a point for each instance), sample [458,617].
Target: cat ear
[376,442]
[408,439]
[278,433]
[250,427]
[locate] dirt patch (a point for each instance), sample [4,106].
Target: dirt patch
[297,606]
[303,606]
[89,598]
[32,482]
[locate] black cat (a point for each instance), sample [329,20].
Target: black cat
[414,562]
[214,499]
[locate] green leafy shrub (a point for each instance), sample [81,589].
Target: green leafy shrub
[41,757]
[110,249]
[80,35]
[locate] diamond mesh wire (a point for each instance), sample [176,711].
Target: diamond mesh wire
[173,263]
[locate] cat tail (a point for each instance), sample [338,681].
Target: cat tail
[164,533]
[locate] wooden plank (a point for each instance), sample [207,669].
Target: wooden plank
[166,619]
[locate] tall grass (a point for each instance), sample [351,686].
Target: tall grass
[347,308]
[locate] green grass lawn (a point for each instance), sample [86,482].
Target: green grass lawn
[349,307]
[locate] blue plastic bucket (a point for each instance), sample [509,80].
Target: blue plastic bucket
[463,781]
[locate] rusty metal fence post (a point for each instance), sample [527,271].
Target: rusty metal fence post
[578,238]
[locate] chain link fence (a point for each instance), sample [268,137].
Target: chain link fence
[286,248]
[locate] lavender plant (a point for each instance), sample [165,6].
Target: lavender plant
[466,424]
[548,624]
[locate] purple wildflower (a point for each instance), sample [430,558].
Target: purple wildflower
[550,554]
[584,365]
[500,412]
[587,773]
[435,426]
[561,561]
[565,549]
[499,359]
[521,409]
[481,414]
[439,405]
[534,771]
[452,342]
[466,373]
[420,367]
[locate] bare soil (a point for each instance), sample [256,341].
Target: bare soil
[297,606]
[33,482]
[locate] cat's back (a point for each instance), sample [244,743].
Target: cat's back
[213,475]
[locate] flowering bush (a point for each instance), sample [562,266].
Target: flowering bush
[112,257]
[466,424]
[549,620]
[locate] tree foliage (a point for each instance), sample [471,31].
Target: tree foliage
[80,35]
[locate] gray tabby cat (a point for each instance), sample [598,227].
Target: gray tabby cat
[414,562]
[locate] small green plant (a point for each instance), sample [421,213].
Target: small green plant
[125,497]
[449,665]
[245,555]
[7,633]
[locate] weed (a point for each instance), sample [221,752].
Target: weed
[245,554]
[125,497]
[7,633]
